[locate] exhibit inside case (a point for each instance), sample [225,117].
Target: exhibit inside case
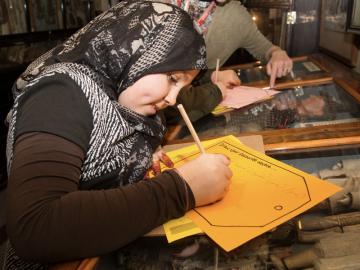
[301,106]
[336,161]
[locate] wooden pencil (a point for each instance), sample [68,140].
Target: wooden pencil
[191,128]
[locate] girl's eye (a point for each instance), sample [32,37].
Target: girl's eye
[172,78]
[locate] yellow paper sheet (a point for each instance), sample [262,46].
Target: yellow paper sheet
[220,109]
[263,194]
[176,229]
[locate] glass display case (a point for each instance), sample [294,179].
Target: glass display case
[291,24]
[313,124]
[12,17]
[304,70]
[307,106]
[353,18]
[45,15]
[313,110]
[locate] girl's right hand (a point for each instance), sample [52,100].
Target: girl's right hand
[208,177]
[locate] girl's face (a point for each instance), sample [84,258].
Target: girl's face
[155,92]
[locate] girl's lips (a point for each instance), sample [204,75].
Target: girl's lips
[159,107]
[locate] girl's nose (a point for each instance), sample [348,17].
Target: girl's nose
[170,99]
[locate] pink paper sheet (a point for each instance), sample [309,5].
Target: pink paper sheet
[241,96]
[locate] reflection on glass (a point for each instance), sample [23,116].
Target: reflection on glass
[24,54]
[99,7]
[300,68]
[269,22]
[45,15]
[354,19]
[297,107]
[12,17]
[324,164]
[114,2]
[77,13]
[335,14]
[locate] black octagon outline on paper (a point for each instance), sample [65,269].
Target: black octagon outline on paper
[253,226]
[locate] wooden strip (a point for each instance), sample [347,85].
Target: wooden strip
[311,144]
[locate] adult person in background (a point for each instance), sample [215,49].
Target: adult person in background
[226,26]
[82,132]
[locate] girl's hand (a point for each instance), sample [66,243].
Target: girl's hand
[208,176]
[158,158]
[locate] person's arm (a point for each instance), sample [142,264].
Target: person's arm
[233,28]
[197,100]
[49,219]
[278,63]
[202,98]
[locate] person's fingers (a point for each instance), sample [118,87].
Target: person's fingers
[228,173]
[236,79]
[272,77]
[269,68]
[226,189]
[166,160]
[147,175]
[225,159]
[280,69]
[156,167]
[290,65]
[231,85]
[156,156]
[222,88]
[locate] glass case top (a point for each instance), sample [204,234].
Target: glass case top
[301,106]
[301,69]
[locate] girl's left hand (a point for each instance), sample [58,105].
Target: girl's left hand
[160,156]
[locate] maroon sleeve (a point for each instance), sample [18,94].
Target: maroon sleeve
[49,219]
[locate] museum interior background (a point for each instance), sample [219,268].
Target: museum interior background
[29,28]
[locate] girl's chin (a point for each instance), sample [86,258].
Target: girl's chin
[150,110]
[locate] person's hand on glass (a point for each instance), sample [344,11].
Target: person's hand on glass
[279,65]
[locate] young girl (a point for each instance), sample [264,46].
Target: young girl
[83,130]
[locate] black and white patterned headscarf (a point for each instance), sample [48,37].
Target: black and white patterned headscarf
[130,40]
